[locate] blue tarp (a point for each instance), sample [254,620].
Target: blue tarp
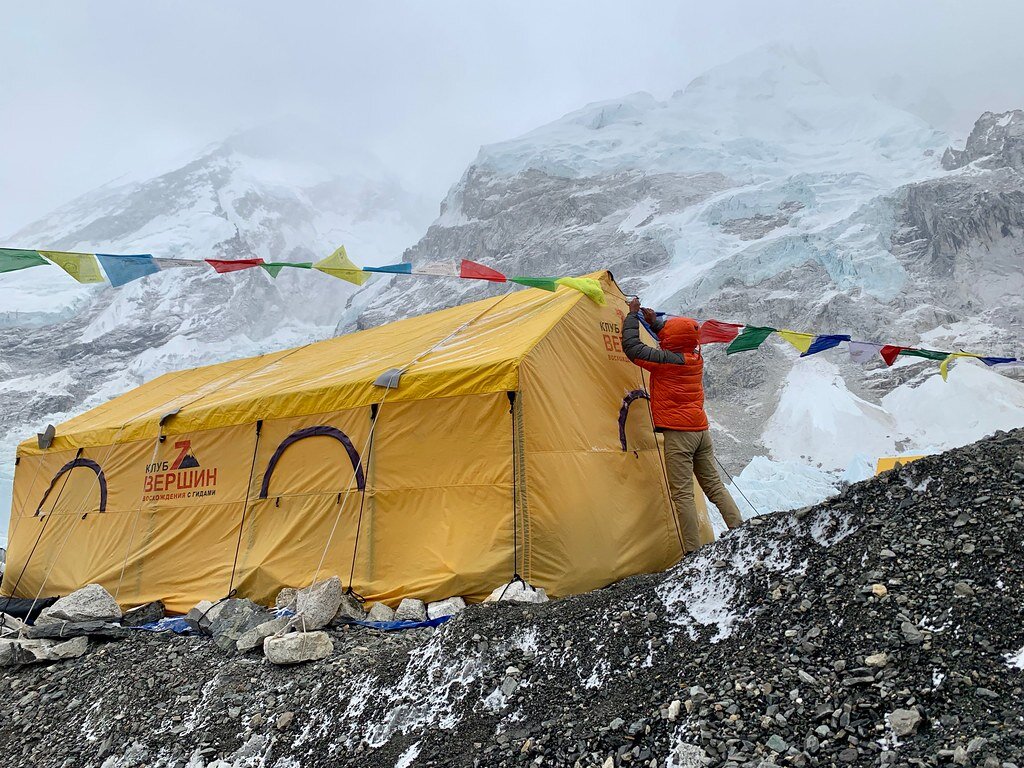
[391,626]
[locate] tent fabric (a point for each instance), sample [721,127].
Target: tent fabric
[463,485]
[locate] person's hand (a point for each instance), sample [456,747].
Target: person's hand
[634,305]
[649,315]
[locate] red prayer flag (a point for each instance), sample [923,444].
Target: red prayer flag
[717,332]
[889,353]
[474,271]
[233,265]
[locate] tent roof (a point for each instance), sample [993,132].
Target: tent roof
[469,349]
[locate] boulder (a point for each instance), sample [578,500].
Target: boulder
[411,609]
[26,651]
[202,615]
[69,649]
[68,629]
[234,619]
[253,638]
[519,592]
[90,603]
[317,604]
[381,612]
[144,614]
[448,607]
[286,599]
[350,608]
[297,647]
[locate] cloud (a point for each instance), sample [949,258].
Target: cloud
[102,90]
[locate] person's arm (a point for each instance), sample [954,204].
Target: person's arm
[641,354]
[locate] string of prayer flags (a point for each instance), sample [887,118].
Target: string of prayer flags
[825,341]
[801,341]
[82,266]
[544,283]
[340,265]
[123,269]
[13,259]
[588,286]
[717,332]
[223,266]
[752,337]
[273,268]
[473,271]
[863,352]
[889,353]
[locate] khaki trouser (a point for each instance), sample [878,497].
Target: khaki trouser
[689,455]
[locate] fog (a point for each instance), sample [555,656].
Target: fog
[96,92]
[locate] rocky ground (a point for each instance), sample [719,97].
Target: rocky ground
[874,629]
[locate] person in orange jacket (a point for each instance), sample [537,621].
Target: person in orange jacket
[677,404]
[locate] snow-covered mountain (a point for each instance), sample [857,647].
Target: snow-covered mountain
[276,192]
[759,193]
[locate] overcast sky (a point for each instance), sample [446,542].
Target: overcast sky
[93,91]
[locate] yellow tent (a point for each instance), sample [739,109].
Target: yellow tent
[498,451]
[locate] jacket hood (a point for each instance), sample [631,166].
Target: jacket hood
[679,334]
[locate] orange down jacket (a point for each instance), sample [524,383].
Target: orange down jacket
[677,372]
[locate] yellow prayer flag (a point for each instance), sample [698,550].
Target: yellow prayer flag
[802,341]
[588,286]
[82,266]
[340,265]
[944,365]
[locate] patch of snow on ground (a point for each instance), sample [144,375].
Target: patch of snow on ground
[1016,660]
[407,757]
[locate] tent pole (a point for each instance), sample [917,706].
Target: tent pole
[245,506]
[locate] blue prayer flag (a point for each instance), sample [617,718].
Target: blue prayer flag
[404,268]
[821,343]
[124,269]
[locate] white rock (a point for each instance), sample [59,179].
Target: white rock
[316,605]
[411,609]
[69,649]
[904,722]
[673,710]
[254,637]
[90,603]
[381,612]
[297,647]
[448,607]
[687,756]
[518,591]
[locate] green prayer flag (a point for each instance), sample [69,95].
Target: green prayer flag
[544,283]
[927,354]
[751,338]
[274,267]
[13,259]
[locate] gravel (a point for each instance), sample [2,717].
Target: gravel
[772,646]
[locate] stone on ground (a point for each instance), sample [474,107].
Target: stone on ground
[90,603]
[144,614]
[350,608]
[380,612]
[253,638]
[234,619]
[518,591]
[317,604]
[904,722]
[28,651]
[65,630]
[411,609]
[448,607]
[297,647]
